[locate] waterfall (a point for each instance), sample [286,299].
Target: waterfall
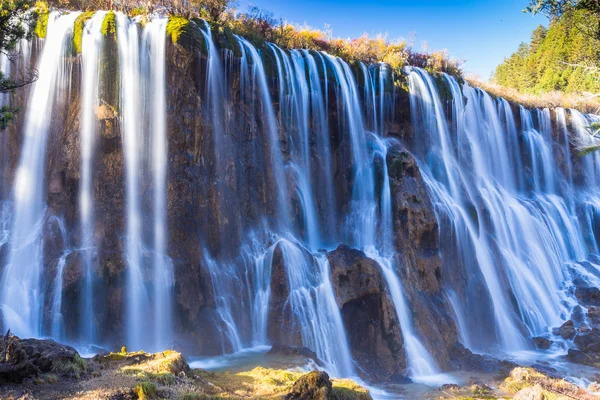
[137,295]
[163,279]
[315,311]
[58,321]
[20,290]
[143,99]
[421,366]
[276,158]
[520,238]
[91,46]
[284,153]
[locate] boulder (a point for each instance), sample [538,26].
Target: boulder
[589,342]
[368,313]
[542,343]
[465,360]
[593,314]
[312,386]
[567,330]
[589,296]
[418,259]
[24,359]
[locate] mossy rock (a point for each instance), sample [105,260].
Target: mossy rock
[43,12]
[177,26]
[78,30]
[145,391]
[109,25]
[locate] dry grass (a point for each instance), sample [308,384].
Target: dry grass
[559,389]
[584,102]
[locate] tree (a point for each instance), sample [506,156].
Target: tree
[16,18]
[554,9]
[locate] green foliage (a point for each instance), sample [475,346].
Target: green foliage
[51,379]
[109,25]
[42,19]
[16,20]
[74,368]
[78,30]
[561,58]
[145,390]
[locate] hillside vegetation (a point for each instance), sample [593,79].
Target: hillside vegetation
[260,25]
[563,57]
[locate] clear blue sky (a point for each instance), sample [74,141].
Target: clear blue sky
[482,32]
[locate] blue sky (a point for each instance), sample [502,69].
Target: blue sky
[482,32]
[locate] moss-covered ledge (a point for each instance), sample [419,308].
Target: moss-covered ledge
[43,12]
[78,30]
[109,25]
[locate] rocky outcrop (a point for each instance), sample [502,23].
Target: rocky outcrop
[312,386]
[588,348]
[368,313]
[416,237]
[22,359]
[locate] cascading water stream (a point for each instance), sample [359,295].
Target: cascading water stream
[142,72]
[91,45]
[58,322]
[421,366]
[163,280]
[522,235]
[129,99]
[20,290]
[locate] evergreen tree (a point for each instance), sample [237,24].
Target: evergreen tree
[16,19]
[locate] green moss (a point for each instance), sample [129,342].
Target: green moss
[51,379]
[72,368]
[145,390]
[109,25]
[43,12]
[176,26]
[78,30]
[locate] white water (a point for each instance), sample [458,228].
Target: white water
[523,233]
[21,290]
[163,280]
[143,99]
[91,46]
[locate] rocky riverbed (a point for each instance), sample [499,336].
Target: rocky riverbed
[43,369]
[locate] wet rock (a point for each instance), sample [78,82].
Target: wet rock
[416,237]
[353,274]
[279,311]
[589,296]
[577,314]
[579,357]
[542,343]
[312,386]
[464,359]
[567,330]
[278,349]
[589,342]
[593,315]
[368,314]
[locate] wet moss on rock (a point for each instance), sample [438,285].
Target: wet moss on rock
[43,13]
[78,30]
[177,26]
[109,25]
